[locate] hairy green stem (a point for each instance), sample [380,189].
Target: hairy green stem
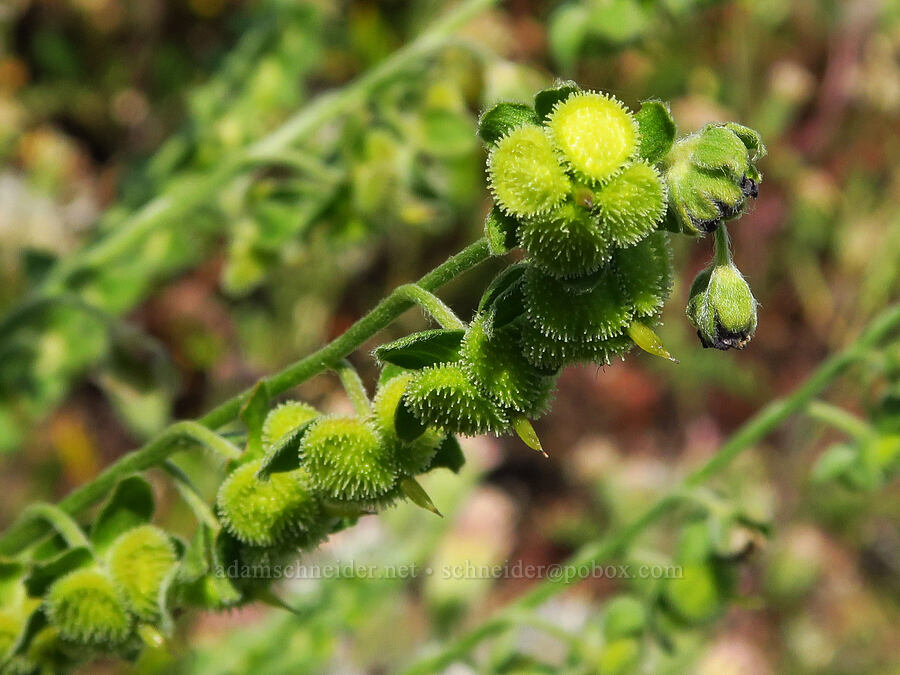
[23,533]
[722,246]
[59,520]
[753,431]
[839,418]
[353,385]
[432,304]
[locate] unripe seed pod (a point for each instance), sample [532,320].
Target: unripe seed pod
[645,274]
[444,396]
[632,204]
[139,561]
[722,308]
[87,609]
[414,457]
[549,354]
[567,242]
[348,460]
[525,176]
[267,512]
[595,134]
[600,312]
[496,365]
[284,418]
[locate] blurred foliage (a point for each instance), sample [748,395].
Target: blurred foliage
[289,254]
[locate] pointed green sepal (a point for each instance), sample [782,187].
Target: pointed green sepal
[645,338]
[417,495]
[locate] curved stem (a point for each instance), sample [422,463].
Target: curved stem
[840,419]
[722,246]
[59,520]
[353,385]
[22,533]
[432,304]
[754,430]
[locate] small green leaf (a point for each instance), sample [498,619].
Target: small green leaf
[496,122]
[417,495]
[285,454]
[503,281]
[657,130]
[546,99]
[448,456]
[44,573]
[407,425]
[253,415]
[500,230]
[528,435]
[130,504]
[647,339]
[422,349]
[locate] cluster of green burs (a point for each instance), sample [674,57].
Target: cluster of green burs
[591,192]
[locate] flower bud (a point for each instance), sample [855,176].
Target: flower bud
[139,561]
[347,459]
[87,609]
[267,512]
[722,308]
[710,175]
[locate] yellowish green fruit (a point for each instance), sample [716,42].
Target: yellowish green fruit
[284,418]
[567,242]
[87,609]
[632,204]
[139,562]
[414,457]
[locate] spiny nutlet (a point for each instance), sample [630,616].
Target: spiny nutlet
[413,457]
[444,396]
[645,274]
[722,308]
[348,460]
[595,134]
[87,609]
[596,310]
[525,175]
[632,204]
[284,418]
[267,512]
[139,562]
[549,354]
[497,367]
[710,175]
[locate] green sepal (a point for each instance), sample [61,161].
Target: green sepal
[130,504]
[42,574]
[546,99]
[253,414]
[501,283]
[285,454]
[407,426]
[417,495]
[501,230]
[750,138]
[448,456]
[657,130]
[498,121]
[422,349]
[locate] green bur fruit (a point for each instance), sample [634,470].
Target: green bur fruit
[710,175]
[549,354]
[444,396]
[284,418]
[268,512]
[87,609]
[412,457]
[139,562]
[10,627]
[722,308]
[348,460]
[632,204]
[588,309]
[645,274]
[525,176]
[497,367]
[567,242]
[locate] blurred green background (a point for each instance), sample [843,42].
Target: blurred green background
[105,105]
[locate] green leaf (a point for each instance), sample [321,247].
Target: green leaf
[285,454]
[834,463]
[422,349]
[253,415]
[44,573]
[546,99]
[10,573]
[407,426]
[500,231]
[502,282]
[417,495]
[657,130]
[449,456]
[498,121]
[130,504]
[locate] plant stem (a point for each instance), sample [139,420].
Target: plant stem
[432,304]
[754,430]
[839,418]
[22,533]
[59,520]
[353,385]
[721,246]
